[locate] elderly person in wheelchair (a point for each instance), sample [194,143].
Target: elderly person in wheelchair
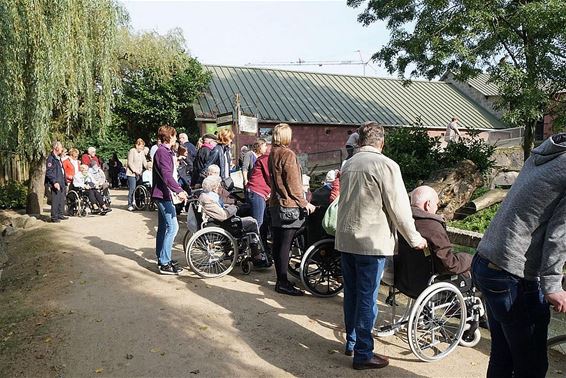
[84,181]
[214,208]
[439,284]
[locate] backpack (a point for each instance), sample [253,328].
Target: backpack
[331,218]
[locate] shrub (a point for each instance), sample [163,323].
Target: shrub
[418,154]
[13,195]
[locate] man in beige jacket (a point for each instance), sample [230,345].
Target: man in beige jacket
[373,206]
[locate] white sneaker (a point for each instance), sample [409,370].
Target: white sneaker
[130,208]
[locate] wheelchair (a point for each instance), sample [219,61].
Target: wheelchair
[314,260]
[213,248]
[78,203]
[142,197]
[442,310]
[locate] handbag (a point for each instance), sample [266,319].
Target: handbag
[289,214]
[330,219]
[228,183]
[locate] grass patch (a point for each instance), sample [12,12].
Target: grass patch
[478,222]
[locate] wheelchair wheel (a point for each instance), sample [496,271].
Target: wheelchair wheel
[320,270]
[436,322]
[73,203]
[470,340]
[141,198]
[211,252]
[247,265]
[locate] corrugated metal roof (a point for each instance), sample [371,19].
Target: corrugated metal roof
[315,98]
[480,83]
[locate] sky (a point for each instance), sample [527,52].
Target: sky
[238,33]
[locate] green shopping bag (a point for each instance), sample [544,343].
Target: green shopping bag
[331,218]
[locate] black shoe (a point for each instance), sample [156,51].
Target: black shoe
[95,211]
[261,263]
[170,269]
[62,217]
[288,289]
[349,352]
[172,262]
[376,362]
[107,210]
[55,220]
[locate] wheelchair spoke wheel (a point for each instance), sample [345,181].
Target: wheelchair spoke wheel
[73,203]
[320,271]
[211,252]
[142,198]
[436,322]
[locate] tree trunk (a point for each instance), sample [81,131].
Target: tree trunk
[36,187]
[528,139]
[490,198]
[455,186]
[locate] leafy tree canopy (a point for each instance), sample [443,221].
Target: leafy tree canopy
[521,43]
[160,81]
[57,70]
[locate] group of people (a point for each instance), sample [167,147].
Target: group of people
[65,171]
[517,267]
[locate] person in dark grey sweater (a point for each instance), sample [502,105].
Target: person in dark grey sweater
[519,263]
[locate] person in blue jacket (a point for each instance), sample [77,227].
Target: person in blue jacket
[55,179]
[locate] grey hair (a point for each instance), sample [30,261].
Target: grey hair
[91,150]
[186,136]
[56,143]
[371,134]
[422,194]
[210,183]
[213,170]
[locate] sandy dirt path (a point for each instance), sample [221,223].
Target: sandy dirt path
[120,318]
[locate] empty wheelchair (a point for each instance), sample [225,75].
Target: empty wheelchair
[442,310]
[313,258]
[213,248]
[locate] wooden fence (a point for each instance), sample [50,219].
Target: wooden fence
[13,168]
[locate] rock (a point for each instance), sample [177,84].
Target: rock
[31,222]
[509,158]
[505,179]
[19,222]
[9,231]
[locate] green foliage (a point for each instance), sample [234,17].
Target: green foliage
[160,81]
[113,140]
[478,222]
[418,154]
[521,44]
[473,148]
[13,195]
[57,70]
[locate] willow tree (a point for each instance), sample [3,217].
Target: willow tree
[521,43]
[57,76]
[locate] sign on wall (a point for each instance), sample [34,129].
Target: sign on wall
[224,119]
[247,124]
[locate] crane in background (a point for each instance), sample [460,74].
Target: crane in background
[320,63]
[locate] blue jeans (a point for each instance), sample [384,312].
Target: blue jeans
[167,228]
[257,203]
[362,276]
[132,181]
[518,318]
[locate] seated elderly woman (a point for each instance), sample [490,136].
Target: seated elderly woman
[215,208]
[84,180]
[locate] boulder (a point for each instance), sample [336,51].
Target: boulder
[31,222]
[10,231]
[19,222]
[455,186]
[505,179]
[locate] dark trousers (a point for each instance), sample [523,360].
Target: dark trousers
[57,203]
[518,318]
[95,197]
[282,241]
[350,151]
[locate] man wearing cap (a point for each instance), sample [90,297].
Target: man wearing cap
[206,156]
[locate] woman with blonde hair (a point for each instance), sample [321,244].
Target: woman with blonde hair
[135,166]
[225,137]
[287,205]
